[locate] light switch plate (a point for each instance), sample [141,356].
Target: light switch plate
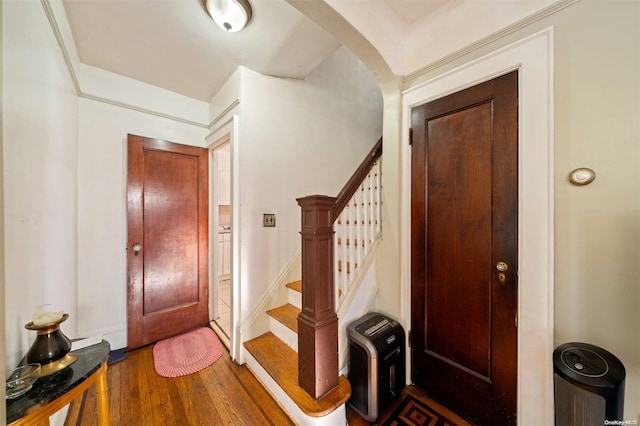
[268,220]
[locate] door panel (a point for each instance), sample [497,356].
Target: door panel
[459,258]
[167,214]
[464,221]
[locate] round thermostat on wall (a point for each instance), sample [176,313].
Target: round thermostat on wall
[582,176]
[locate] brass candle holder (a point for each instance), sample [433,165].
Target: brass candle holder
[51,347]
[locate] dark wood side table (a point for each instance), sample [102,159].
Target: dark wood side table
[49,394]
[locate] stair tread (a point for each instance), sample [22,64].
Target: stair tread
[281,363]
[287,315]
[295,285]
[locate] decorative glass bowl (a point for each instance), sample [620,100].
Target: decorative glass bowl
[21,379]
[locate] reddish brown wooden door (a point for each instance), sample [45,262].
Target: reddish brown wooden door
[464,201]
[167,223]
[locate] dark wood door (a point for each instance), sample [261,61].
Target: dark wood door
[464,201]
[167,252]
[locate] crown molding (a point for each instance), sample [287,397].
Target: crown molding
[142,110]
[48,11]
[550,10]
[222,115]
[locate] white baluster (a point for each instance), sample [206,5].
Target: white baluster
[358,200]
[378,196]
[337,256]
[357,227]
[343,252]
[352,236]
[369,210]
[365,218]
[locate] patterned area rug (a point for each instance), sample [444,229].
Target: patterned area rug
[413,412]
[186,353]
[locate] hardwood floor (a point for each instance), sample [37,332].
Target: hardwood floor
[222,394]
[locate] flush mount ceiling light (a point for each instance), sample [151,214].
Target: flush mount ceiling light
[230,15]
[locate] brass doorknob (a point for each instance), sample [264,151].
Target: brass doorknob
[502,266]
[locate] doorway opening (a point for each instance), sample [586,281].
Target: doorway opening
[220,290]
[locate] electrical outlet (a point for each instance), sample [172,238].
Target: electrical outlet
[268,220]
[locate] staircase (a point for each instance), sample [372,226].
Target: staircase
[304,378]
[273,358]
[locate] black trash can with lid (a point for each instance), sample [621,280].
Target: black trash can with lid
[588,385]
[376,363]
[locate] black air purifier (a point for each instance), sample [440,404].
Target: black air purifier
[376,363]
[588,385]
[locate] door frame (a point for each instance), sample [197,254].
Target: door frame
[226,130]
[214,220]
[533,56]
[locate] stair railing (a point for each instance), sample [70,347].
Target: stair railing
[318,322]
[356,229]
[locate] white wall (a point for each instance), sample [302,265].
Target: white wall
[598,226]
[65,176]
[297,138]
[107,86]
[102,236]
[225,98]
[40,174]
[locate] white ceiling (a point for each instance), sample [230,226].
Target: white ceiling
[410,11]
[175,45]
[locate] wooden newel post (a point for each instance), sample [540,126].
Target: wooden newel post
[318,322]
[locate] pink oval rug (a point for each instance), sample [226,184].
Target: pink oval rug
[186,353]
